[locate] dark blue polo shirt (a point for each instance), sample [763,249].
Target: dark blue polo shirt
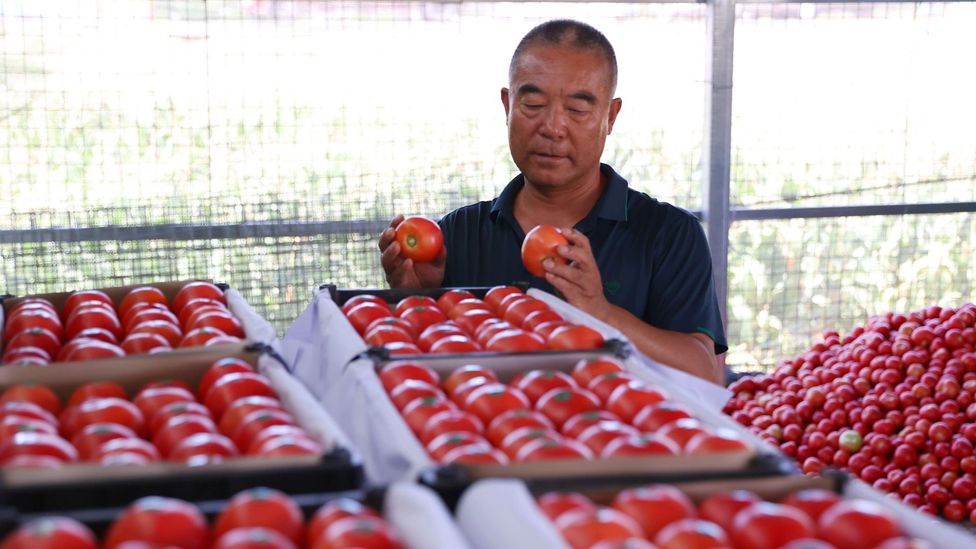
[653,257]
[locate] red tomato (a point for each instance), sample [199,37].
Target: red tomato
[467,305]
[654,506]
[240,408]
[218,369]
[394,322]
[285,445]
[442,444]
[411,389]
[683,430]
[491,399]
[521,436]
[193,308]
[84,296]
[219,339]
[233,386]
[653,417]
[574,337]
[96,389]
[450,298]
[767,525]
[33,318]
[204,448]
[37,394]
[507,422]
[31,303]
[151,400]
[723,440]
[196,290]
[464,373]
[90,439]
[496,294]
[490,326]
[257,421]
[221,320]
[855,523]
[393,373]
[421,317]
[35,337]
[575,425]
[454,344]
[536,318]
[692,534]
[363,314]
[560,404]
[96,333]
[92,349]
[252,538]
[626,543]
[589,368]
[721,507]
[535,383]
[148,294]
[521,309]
[11,425]
[381,334]
[262,507]
[812,501]
[553,504]
[178,428]
[420,239]
[333,511]
[51,533]
[419,412]
[26,409]
[547,328]
[363,298]
[626,400]
[38,443]
[401,349]
[275,431]
[33,461]
[513,341]
[546,449]
[434,332]
[641,445]
[102,410]
[201,336]
[475,453]
[93,317]
[460,395]
[541,244]
[170,331]
[450,421]
[144,342]
[597,436]
[26,355]
[358,531]
[165,521]
[412,301]
[584,528]
[146,312]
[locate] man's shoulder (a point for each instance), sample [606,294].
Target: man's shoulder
[470,212]
[642,206]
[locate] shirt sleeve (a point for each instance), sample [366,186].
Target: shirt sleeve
[682,297]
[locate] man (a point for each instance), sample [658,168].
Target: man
[637,264]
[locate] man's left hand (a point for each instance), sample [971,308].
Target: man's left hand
[579,279]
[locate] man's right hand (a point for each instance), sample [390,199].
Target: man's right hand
[402,272]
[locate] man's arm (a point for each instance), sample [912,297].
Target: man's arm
[580,284]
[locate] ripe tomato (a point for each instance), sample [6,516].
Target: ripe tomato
[231,387]
[489,328]
[170,331]
[812,501]
[536,318]
[545,329]
[491,399]
[767,525]
[434,332]
[412,389]
[421,317]
[419,412]
[38,443]
[554,504]
[37,394]
[381,334]
[26,355]
[284,445]
[257,421]
[363,298]
[196,290]
[252,538]
[420,239]
[597,436]
[654,506]
[450,421]
[148,294]
[102,410]
[692,534]
[721,507]
[193,308]
[178,428]
[522,308]
[329,513]
[454,344]
[51,533]
[584,528]
[11,425]
[653,417]
[442,444]
[160,520]
[574,337]
[507,422]
[450,298]
[464,373]
[475,453]
[92,316]
[363,314]
[628,399]
[393,373]
[84,296]
[541,244]
[640,445]
[560,404]
[224,321]
[495,295]
[217,370]
[469,304]
[33,318]
[545,449]
[90,439]
[275,431]
[240,408]
[144,342]
[20,408]
[262,507]
[93,349]
[151,400]
[143,311]
[202,336]
[853,524]
[96,389]
[722,440]
[204,448]
[392,321]
[589,368]
[535,383]
[514,341]
[358,531]
[471,320]
[35,337]
[575,425]
[412,301]
[518,438]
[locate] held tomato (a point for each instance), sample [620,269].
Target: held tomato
[540,244]
[160,520]
[654,506]
[37,394]
[420,239]
[265,508]
[51,533]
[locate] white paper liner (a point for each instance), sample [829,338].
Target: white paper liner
[502,514]
[421,518]
[256,328]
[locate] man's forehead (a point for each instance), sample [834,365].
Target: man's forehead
[540,61]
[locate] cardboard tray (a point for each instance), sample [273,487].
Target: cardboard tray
[502,514]
[88,485]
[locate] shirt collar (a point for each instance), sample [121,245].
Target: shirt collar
[611,205]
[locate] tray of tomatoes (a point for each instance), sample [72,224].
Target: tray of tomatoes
[400,516]
[768,512]
[195,423]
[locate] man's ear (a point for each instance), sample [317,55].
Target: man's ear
[505,102]
[615,105]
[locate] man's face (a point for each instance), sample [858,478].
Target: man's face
[559,111]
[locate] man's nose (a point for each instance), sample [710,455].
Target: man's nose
[554,123]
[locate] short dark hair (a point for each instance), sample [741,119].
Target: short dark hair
[571,33]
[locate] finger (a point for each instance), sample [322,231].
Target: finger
[575,238]
[396,221]
[391,258]
[564,274]
[386,238]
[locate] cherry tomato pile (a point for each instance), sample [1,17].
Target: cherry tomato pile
[598,411]
[90,326]
[893,402]
[810,518]
[256,518]
[506,320]
[234,411]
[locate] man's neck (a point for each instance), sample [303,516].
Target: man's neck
[559,206]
